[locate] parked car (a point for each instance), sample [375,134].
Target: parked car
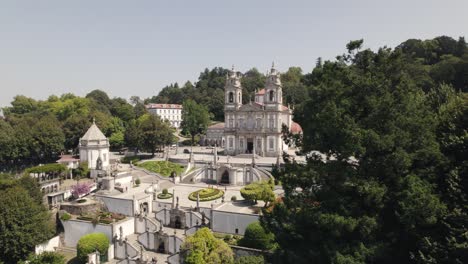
[186,151]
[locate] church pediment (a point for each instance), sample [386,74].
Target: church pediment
[250,107]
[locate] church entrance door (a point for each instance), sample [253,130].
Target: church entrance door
[225,177]
[178,223]
[161,248]
[250,145]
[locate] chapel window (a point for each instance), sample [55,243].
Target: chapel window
[272,95]
[231,97]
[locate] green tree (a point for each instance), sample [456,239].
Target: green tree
[195,118]
[256,236]
[74,128]
[100,100]
[45,258]
[374,194]
[48,138]
[23,224]
[91,243]
[154,132]
[203,247]
[252,81]
[122,109]
[255,191]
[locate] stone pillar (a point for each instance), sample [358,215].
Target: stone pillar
[211,216]
[173,197]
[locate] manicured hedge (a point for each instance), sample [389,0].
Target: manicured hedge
[89,244]
[164,196]
[207,194]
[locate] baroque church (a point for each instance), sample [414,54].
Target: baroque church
[255,127]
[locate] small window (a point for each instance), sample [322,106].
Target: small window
[237,230]
[272,96]
[231,97]
[231,143]
[272,143]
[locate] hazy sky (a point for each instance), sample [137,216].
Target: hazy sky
[137,47]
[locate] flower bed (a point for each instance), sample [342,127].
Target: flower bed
[207,194]
[165,168]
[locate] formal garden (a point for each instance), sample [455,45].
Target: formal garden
[164,168]
[207,194]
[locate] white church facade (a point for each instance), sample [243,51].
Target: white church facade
[255,126]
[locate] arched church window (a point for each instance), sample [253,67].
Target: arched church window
[239,100]
[272,95]
[231,97]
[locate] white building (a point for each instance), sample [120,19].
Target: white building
[256,126]
[94,148]
[170,112]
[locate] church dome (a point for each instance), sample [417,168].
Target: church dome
[295,128]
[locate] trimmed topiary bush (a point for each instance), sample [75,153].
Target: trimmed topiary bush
[233,198]
[207,194]
[165,195]
[256,236]
[165,191]
[137,181]
[91,243]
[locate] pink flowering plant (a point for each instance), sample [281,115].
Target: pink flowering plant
[80,189]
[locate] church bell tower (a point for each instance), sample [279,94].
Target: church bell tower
[232,91]
[273,97]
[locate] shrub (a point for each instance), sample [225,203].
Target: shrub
[164,191]
[91,243]
[257,237]
[46,257]
[234,198]
[250,260]
[81,201]
[80,189]
[65,217]
[105,220]
[85,218]
[137,181]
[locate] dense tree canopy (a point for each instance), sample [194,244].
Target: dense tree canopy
[195,119]
[392,181]
[203,247]
[24,221]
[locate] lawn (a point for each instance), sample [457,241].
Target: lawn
[164,168]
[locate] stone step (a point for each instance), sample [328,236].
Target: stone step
[66,249]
